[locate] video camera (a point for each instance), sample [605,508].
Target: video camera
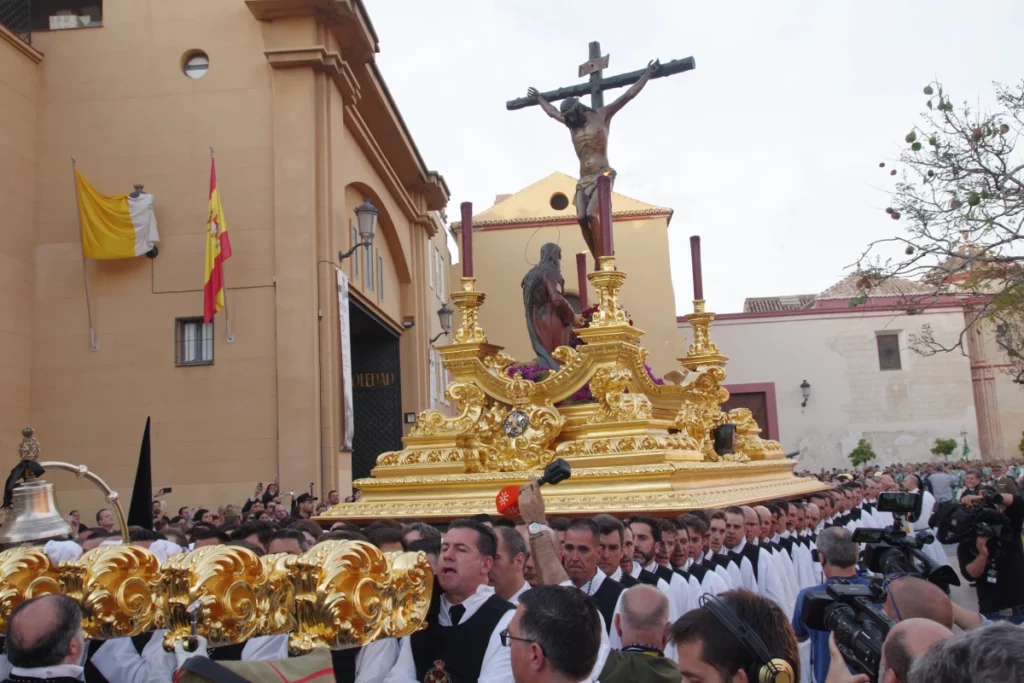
[892,551]
[955,522]
[853,613]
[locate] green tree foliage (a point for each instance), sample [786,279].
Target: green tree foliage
[862,454]
[944,447]
[959,192]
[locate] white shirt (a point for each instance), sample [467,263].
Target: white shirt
[590,588]
[118,660]
[768,582]
[55,671]
[742,573]
[497,663]
[730,574]
[515,596]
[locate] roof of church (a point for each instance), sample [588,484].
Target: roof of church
[537,204]
[857,283]
[770,304]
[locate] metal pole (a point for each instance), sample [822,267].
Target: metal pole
[93,344]
[230,336]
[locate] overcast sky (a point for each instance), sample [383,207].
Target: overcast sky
[769,149]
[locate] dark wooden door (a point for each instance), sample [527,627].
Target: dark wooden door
[756,402]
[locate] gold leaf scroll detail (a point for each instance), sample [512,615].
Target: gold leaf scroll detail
[617,405]
[226,581]
[750,442]
[528,451]
[277,596]
[470,399]
[700,413]
[625,444]
[340,591]
[412,584]
[25,573]
[118,588]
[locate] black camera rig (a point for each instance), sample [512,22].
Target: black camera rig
[854,614]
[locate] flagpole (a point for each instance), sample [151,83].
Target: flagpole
[93,344]
[230,336]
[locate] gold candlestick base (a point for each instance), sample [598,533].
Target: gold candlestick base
[468,301]
[703,351]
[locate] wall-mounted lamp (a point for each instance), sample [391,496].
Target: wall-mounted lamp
[444,314]
[366,224]
[805,389]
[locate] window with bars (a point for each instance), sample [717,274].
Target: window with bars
[380,277]
[889,351]
[193,342]
[432,356]
[369,279]
[430,263]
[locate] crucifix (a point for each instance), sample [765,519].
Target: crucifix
[589,126]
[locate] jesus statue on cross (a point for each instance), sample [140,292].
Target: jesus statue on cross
[589,131]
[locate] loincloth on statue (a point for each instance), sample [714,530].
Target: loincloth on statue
[588,184]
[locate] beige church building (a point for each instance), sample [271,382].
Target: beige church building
[508,236]
[288,94]
[863,378]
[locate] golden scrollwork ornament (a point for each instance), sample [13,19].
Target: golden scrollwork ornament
[25,573]
[119,589]
[412,584]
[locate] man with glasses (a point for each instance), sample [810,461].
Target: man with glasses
[554,636]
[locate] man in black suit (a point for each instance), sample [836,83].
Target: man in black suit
[44,641]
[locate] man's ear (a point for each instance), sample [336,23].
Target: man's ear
[537,658]
[664,635]
[740,677]
[890,677]
[617,619]
[487,563]
[520,561]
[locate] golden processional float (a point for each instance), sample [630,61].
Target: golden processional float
[637,446]
[338,594]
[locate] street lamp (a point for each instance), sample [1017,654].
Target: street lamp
[444,314]
[366,224]
[805,389]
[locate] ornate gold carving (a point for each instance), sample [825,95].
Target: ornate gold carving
[226,581]
[471,402]
[277,595]
[25,573]
[702,351]
[750,443]
[617,405]
[608,281]
[626,444]
[500,362]
[430,456]
[118,588]
[411,588]
[340,595]
[468,301]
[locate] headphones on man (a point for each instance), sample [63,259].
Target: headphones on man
[772,669]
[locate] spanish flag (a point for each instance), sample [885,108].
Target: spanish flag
[114,227]
[218,250]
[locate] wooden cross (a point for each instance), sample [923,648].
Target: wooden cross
[597,84]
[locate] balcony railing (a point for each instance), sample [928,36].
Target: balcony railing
[16,15]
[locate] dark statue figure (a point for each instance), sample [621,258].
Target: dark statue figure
[589,131]
[549,317]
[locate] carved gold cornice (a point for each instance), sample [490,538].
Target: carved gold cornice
[336,594]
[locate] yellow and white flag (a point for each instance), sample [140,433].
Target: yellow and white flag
[114,227]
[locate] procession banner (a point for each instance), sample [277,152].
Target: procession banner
[344,327]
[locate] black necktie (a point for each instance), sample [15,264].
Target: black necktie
[456,612]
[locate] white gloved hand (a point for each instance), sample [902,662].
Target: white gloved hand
[183,656]
[164,549]
[62,551]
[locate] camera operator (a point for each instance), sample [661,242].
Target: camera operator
[838,554]
[996,568]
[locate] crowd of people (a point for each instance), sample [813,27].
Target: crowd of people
[711,595]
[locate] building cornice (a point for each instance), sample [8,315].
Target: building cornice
[20,45]
[543,221]
[863,310]
[364,91]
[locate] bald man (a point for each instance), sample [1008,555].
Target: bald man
[44,640]
[912,598]
[642,625]
[907,641]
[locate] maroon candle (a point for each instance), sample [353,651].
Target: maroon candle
[467,239]
[581,278]
[698,279]
[604,202]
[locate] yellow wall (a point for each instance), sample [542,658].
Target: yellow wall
[294,158]
[504,254]
[19,98]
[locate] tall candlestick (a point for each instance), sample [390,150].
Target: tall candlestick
[604,202]
[581,279]
[698,278]
[467,239]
